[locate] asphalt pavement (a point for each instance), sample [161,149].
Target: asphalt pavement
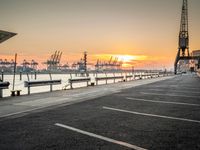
[160,115]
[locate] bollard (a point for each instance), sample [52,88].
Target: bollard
[18,92]
[12,93]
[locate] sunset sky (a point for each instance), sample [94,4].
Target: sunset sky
[145,31]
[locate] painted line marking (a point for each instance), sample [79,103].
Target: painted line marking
[151,115]
[175,87]
[174,95]
[164,102]
[100,137]
[181,91]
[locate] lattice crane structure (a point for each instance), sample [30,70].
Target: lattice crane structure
[183,44]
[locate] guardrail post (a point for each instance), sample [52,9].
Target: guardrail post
[70,82]
[51,86]
[35,75]
[20,75]
[96,79]
[2,76]
[28,77]
[106,78]
[1,93]
[122,75]
[29,90]
[140,77]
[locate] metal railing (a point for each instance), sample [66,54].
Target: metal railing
[3,85]
[78,80]
[30,84]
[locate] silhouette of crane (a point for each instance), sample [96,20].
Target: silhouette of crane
[183,44]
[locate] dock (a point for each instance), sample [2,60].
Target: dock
[157,113]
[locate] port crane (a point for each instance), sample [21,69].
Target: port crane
[183,43]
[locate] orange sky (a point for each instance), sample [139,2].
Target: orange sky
[146,30]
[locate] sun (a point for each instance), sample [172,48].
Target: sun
[125,58]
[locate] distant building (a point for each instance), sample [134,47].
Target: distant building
[195,63]
[195,53]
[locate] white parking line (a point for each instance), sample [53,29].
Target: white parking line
[180,91]
[178,87]
[151,115]
[100,137]
[164,102]
[174,95]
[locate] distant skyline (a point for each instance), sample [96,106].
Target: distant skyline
[145,30]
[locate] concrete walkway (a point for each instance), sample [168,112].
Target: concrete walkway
[17,106]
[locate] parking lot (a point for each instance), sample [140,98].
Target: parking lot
[160,115]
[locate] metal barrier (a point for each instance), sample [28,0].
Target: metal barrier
[41,83]
[128,77]
[108,78]
[3,85]
[146,75]
[78,80]
[138,75]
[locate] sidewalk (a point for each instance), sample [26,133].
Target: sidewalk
[14,106]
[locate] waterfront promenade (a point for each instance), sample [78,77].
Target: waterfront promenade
[158,113]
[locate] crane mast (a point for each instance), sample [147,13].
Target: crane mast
[183,34]
[183,44]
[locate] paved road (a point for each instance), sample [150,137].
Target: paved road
[160,115]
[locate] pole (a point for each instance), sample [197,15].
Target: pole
[14,72]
